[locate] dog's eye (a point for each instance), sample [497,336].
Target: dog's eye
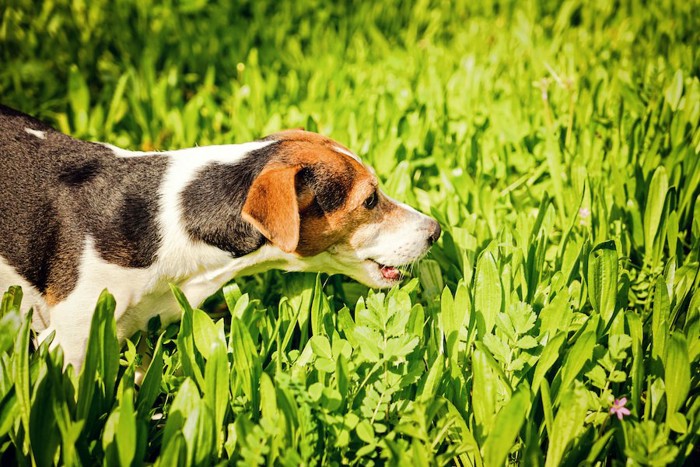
[371,201]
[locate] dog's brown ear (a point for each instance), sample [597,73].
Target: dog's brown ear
[271,206]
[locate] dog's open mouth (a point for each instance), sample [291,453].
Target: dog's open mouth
[389,273]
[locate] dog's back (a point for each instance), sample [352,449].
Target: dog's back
[57,190]
[28,229]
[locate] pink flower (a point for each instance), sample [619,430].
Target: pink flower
[618,408]
[584,215]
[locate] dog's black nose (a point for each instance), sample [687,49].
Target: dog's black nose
[435,234]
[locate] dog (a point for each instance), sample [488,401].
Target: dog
[79,217]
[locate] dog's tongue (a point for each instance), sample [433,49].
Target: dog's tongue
[390,273]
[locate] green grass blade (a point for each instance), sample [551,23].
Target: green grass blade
[508,422]
[676,373]
[487,293]
[98,377]
[150,387]
[246,364]
[216,388]
[568,423]
[654,209]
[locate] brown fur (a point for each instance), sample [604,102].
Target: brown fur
[286,216]
[271,206]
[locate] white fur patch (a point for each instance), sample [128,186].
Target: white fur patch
[71,317]
[37,133]
[347,153]
[119,152]
[400,243]
[179,256]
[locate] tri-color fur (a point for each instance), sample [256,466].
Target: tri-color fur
[77,217]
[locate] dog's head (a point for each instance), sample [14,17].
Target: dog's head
[316,199]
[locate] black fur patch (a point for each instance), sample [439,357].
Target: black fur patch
[80,173]
[213,201]
[60,190]
[331,188]
[126,228]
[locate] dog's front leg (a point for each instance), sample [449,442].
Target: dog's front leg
[71,320]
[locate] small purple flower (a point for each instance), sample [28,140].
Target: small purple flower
[618,408]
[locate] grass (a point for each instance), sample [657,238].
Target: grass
[556,142]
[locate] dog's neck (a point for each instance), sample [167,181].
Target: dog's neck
[201,196]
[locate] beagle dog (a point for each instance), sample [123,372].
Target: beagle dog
[77,217]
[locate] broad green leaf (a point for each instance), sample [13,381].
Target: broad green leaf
[321,347]
[299,289]
[484,393]
[365,432]
[119,437]
[11,300]
[70,432]
[216,387]
[347,326]
[98,376]
[676,373]
[174,454]
[549,356]
[79,98]
[576,358]
[206,335]
[342,376]
[186,399]
[431,278]
[637,371]
[232,294]
[44,435]
[8,411]
[246,363]
[661,309]
[268,398]
[602,279]
[556,315]
[568,423]
[547,407]
[674,91]
[199,431]
[678,423]
[654,208]
[487,293]
[185,339]
[599,447]
[506,427]
[150,387]
[447,320]
[20,376]
[117,106]
[321,322]
[431,383]
[454,315]
[126,429]
[672,233]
